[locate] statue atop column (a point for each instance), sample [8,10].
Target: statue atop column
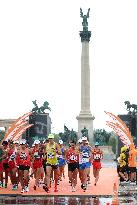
[85,34]
[85,22]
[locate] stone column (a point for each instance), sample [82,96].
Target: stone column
[85,118]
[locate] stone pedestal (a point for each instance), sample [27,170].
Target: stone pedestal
[85,120]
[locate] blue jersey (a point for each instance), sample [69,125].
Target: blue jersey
[84,156]
[61,158]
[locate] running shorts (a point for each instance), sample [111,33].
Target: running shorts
[61,162]
[73,166]
[54,166]
[22,167]
[85,165]
[96,165]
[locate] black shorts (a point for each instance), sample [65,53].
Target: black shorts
[124,169]
[54,166]
[5,166]
[132,169]
[73,166]
[22,167]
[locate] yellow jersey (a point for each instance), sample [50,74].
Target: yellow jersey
[51,154]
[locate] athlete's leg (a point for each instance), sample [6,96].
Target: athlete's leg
[56,176]
[48,175]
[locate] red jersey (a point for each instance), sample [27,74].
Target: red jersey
[37,163]
[97,154]
[5,156]
[72,156]
[11,158]
[23,157]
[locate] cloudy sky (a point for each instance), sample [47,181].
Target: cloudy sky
[40,57]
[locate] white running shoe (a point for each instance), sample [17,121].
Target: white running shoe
[73,189]
[22,191]
[26,189]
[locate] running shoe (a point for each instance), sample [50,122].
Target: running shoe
[22,191]
[84,187]
[58,182]
[14,187]
[35,187]
[55,190]
[1,184]
[26,189]
[73,189]
[46,188]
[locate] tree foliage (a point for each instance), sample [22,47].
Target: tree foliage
[105,138]
[2,133]
[101,136]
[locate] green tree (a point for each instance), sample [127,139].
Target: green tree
[101,136]
[112,142]
[2,133]
[56,137]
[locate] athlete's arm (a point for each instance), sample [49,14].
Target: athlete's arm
[58,150]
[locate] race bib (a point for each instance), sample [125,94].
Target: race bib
[73,158]
[97,156]
[85,154]
[36,155]
[23,156]
[50,156]
[60,156]
[84,160]
[12,157]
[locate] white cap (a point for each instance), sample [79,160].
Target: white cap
[84,138]
[22,141]
[16,142]
[36,142]
[80,140]
[60,142]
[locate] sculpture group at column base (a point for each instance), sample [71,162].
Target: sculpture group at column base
[85,119]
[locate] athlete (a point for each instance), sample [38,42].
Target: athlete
[72,157]
[5,161]
[97,156]
[84,162]
[12,165]
[1,167]
[23,160]
[51,151]
[61,160]
[36,157]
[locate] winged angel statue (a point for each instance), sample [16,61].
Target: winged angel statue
[85,22]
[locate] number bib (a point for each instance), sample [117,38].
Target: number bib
[50,156]
[73,158]
[97,156]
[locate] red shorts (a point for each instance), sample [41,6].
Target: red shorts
[96,165]
[1,166]
[11,165]
[37,164]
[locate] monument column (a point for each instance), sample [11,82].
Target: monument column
[85,118]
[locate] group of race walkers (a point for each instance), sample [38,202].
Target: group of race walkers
[46,161]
